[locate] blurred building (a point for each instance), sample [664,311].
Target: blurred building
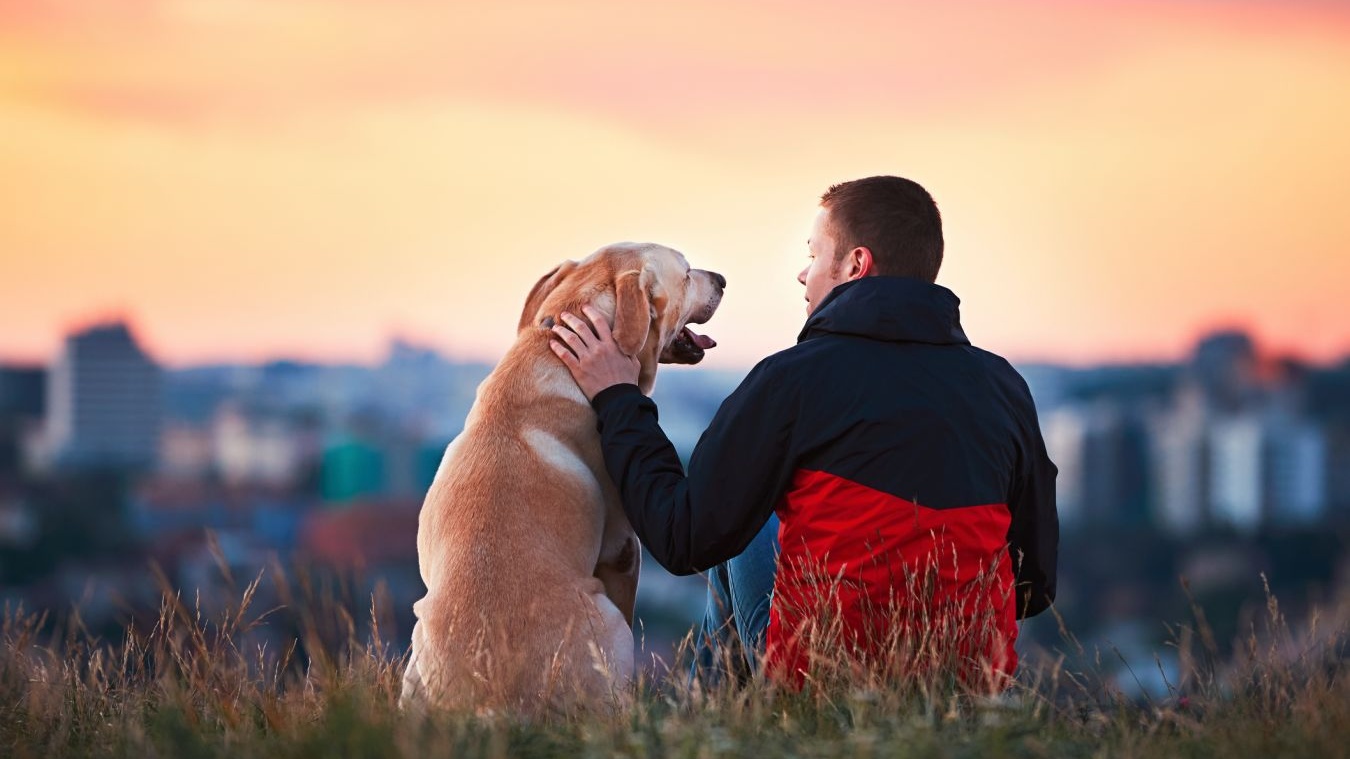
[23,391]
[1297,472]
[422,393]
[1237,468]
[1327,399]
[104,401]
[1225,367]
[1268,469]
[18,521]
[1065,430]
[368,533]
[1180,447]
[22,404]
[258,447]
[1207,444]
[1102,453]
[186,451]
[382,463]
[263,518]
[1246,444]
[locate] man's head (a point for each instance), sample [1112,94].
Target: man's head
[887,226]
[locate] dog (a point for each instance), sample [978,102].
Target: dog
[530,564]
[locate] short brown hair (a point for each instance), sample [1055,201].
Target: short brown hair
[893,217]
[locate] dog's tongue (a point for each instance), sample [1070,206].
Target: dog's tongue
[702,341]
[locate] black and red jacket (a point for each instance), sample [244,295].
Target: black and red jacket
[906,466]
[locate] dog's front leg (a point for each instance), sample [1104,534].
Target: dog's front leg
[620,561]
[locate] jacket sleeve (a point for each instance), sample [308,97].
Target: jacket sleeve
[1033,538]
[737,473]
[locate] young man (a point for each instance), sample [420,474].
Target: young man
[915,499]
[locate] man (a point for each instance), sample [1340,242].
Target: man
[906,467]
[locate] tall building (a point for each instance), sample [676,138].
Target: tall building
[1267,469]
[1297,472]
[21,391]
[104,401]
[1065,432]
[1102,454]
[1226,368]
[1328,402]
[1182,466]
[1237,483]
[21,404]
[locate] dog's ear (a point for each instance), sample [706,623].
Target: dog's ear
[632,311]
[535,300]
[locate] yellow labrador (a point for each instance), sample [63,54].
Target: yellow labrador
[530,565]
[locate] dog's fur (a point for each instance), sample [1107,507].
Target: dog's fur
[530,565]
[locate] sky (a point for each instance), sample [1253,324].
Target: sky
[252,179]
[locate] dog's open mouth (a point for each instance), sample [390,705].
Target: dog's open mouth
[687,347]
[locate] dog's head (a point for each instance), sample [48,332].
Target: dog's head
[650,294]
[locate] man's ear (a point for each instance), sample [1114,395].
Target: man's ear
[535,300]
[858,264]
[632,312]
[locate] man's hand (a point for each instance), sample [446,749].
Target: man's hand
[592,356]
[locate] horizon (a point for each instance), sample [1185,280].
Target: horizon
[1264,352]
[248,180]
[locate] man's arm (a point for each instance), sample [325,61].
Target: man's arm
[738,471]
[1033,537]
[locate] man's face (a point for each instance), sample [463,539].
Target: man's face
[823,272]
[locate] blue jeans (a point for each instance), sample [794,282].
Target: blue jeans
[737,614]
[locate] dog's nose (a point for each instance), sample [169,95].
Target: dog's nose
[719,279]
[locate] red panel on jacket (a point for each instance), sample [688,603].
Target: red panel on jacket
[870,578]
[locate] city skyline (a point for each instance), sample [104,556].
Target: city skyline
[250,180]
[391,342]
[1228,439]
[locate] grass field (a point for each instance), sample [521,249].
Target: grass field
[196,685]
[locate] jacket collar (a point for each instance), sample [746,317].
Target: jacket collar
[895,309]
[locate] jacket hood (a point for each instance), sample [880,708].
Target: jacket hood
[895,309]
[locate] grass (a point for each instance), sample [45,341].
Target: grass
[197,683]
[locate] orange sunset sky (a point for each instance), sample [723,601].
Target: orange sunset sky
[247,179]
